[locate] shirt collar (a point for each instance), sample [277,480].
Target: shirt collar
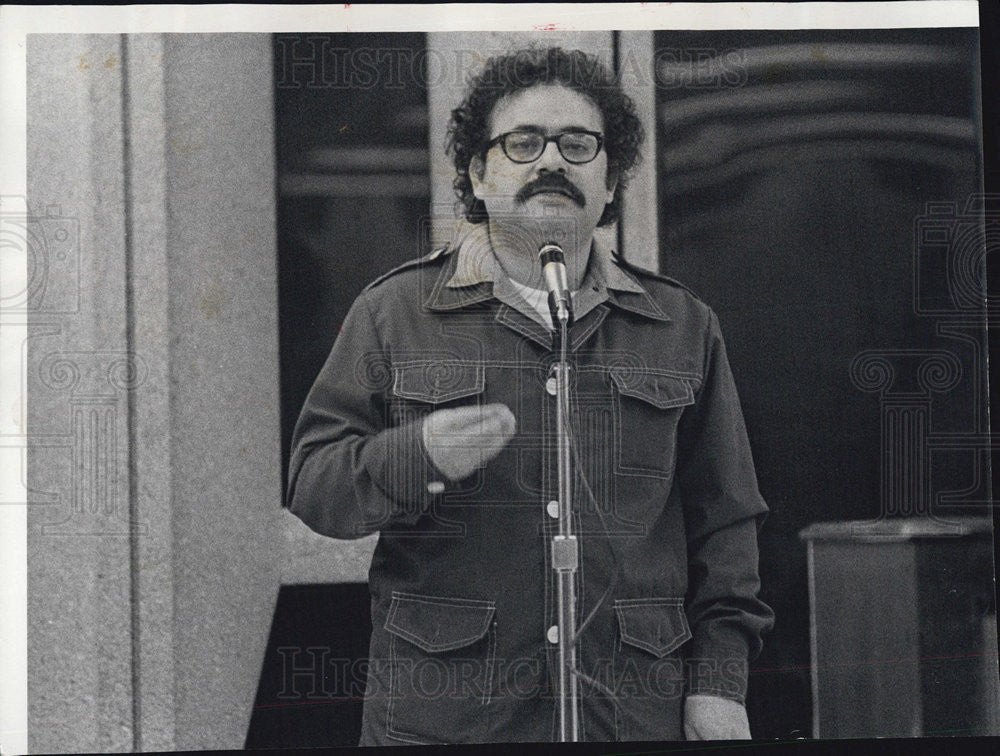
[476,262]
[475,274]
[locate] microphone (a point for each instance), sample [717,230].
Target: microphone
[554,270]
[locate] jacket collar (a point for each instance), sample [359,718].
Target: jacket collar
[472,272]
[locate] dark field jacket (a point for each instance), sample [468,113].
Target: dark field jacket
[462,592]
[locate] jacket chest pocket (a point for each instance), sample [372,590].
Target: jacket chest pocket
[647,408]
[649,672]
[442,652]
[419,385]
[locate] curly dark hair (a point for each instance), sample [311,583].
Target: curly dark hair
[504,74]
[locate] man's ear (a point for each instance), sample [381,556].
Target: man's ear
[476,169]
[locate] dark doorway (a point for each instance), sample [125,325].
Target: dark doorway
[353,185]
[353,188]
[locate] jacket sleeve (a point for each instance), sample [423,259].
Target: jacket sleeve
[350,475]
[723,510]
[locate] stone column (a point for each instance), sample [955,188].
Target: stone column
[152,359]
[80,630]
[640,238]
[224,440]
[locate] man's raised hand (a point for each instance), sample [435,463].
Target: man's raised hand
[461,440]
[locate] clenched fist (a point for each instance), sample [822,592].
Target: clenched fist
[461,440]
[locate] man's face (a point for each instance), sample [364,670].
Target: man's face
[512,190]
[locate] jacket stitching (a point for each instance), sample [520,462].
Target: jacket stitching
[433,299]
[638,393]
[477,387]
[535,332]
[490,658]
[445,600]
[623,469]
[683,636]
[670,373]
[395,629]
[623,636]
[390,729]
[408,737]
[616,649]
[649,602]
[527,364]
[602,313]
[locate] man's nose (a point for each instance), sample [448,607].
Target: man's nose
[551,159]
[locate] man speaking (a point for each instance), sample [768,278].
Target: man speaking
[433,421]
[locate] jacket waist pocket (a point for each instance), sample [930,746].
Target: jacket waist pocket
[442,652]
[649,675]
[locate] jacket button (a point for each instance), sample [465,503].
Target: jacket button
[553,634]
[553,509]
[550,385]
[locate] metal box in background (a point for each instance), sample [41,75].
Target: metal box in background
[903,628]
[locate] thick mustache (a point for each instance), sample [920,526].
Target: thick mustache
[550,182]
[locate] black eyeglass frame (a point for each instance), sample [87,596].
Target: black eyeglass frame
[554,138]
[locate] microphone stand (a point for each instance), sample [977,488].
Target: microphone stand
[565,551]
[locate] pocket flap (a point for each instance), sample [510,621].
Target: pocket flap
[656,625]
[661,391]
[438,624]
[438,381]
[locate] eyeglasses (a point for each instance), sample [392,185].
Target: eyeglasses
[528,146]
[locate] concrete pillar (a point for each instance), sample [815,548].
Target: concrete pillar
[640,239]
[154,461]
[221,278]
[79,531]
